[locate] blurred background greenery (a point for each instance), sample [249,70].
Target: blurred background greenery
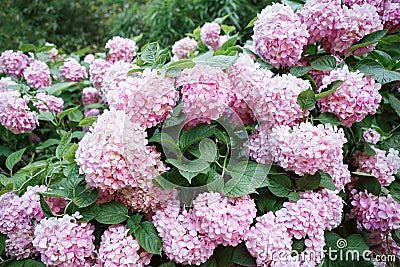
[75,24]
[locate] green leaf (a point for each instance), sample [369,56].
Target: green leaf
[2,243]
[89,213]
[74,179]
[133,223]
[168,264]
[294,4]
[326,181]
[57,88]
[369,150]
[220,61]
[329,118]
[331,88]
[66,112]
[324,63]
[208,150]
[298,245]
[215,181]
[299,71]
[70,154]
[64,142]
[306,99]
[251,23]
[247,176]
[191,169]
[280,185]
[369,39]
[14,158]
[48,143]
[88,121]
[46,116]
[395,236]
[382,75]
[391,142]
[149,54]
[45,207]
[371,184]
[147,237]
[227,29]
[242,256]
[75,116]
[395,103]
[293,196]
[112,213]
[211,262]
[86,198]
[175,68]
[308,182]
[27,47]
[230,42]
[194,135]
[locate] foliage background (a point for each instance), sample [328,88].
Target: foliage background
[73,25]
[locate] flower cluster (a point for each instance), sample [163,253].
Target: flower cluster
[206,93]
[90,95]
[209,34]
[357,97]
[113,75]
[392,17]
[120,49]
[183,47]
[382,166]
[380,5]
[13,63]
[37,75]
[148,99]
[117,248]
[72,71]
[279,36]
[64,242]
[15,114]
[97,71]
[371,136]
[49,103]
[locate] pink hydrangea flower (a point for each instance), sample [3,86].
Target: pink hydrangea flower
[4,83]
[117,248]
[97,71]
[53,52]
[181,48]
[373,213]
[13,63]
[303,148]
[89,58]
[206,93]
[72,71]
[268,239]
[114,155]
[357,97]
[182,243]
[371,136]
[113,77]
[209,34]
[277,101]
[279,36]
[64,242]
[121,49]
[355,23]
[246,77]
[340,175]
[380,5]
[391,17]
[382,166]
[19,245]
[46,102]
[15,114]
[148,99]
[88,112]
[321,17]
[37,75]
[90,95]
[223,219]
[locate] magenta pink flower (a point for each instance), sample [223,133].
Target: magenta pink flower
[355,23]
[357,97]
[72,71]
[117,248]
[391,17]
[37,75]
[181,48]
[209,34]
[15,114]
[206,93]
[371,136]
[182,243]
[279,36]
[97,71]
[321,17]
[223,219]
[380,5]
[46,102]
[64,242]
[147,99]
[13,63]
[90,95]
[120,49]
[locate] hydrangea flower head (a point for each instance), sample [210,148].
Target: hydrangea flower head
[72,71]
[279,36]
[13,63]
[371,136]
[37,75]
[391,17]
[181,48]
[120,49]
[46,102]
[90,95]
[97,70]
[209,34]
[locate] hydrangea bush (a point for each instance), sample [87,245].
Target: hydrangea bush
[281,150]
